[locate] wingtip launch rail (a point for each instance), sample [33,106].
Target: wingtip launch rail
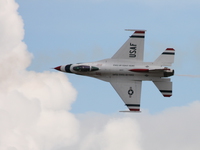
[135,30]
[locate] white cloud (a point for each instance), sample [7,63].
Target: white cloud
[117,133]
[175,128]
[34,108]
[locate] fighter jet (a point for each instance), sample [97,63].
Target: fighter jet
[126,70]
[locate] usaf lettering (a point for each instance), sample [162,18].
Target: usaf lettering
[132,51]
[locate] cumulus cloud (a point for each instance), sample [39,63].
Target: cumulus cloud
[34,108]
[117,133]
[175,128]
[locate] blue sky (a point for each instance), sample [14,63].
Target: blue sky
[59,32]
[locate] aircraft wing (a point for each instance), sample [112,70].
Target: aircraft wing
[133,48]
[130,93]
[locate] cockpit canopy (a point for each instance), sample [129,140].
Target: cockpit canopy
[84,68]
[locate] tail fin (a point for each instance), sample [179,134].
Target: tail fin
[165,87]
[166,58]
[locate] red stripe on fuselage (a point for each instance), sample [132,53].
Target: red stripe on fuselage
[139,70]
[166,69]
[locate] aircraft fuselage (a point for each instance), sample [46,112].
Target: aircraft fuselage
[109,68]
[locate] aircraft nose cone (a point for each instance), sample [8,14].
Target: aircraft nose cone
[58,68]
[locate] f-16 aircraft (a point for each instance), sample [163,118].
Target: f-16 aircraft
[125,70]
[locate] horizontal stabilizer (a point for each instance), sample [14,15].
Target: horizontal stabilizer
[166,58]
[165,87]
